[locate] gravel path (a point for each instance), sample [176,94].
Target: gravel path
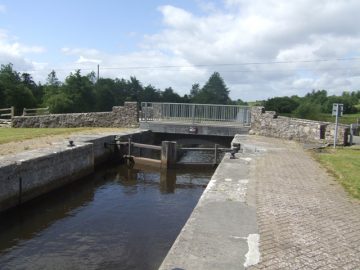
[305,218]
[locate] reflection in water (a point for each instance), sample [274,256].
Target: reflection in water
[119,218]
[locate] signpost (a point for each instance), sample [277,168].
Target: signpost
[337,111]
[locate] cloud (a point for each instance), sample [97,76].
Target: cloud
[190,47]
[13,48]
[268,31]
[83,60]
[17,53]
[77,51]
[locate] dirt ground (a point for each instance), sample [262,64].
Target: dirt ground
[46,141]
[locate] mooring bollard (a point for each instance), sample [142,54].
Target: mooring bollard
[168,154]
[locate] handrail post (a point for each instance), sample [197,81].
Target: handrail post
[193,113]
[146,111]
[12,112]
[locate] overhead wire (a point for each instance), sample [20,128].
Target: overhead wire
[203,65]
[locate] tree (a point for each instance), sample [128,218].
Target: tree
[59,103]
[241,102]
[214,91]
[54,96]
[149,94]
[281,104]
[80,90]
[308,110]
[195,89]
[36,90]
[104,94]
[52,79]
[134,89]
[13,90]
[168,95]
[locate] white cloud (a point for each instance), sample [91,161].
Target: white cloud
[240,31]
[14,48]
[83,60]
[263,31]
[77,51]
[17,53]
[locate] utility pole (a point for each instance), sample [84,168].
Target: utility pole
[98,72]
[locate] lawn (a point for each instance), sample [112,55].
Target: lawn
[20,134]
[344,163]
[327,117]
[345,119]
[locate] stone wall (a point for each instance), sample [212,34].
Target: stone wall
[267,123]
[29,174]
[120,116]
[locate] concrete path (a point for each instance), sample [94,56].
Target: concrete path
[222,226]
[273,207]
[305,218]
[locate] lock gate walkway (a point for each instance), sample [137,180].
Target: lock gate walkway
[195,119]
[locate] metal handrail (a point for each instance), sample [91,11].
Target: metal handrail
[141,145]
[195,113]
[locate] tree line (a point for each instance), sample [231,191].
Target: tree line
[313,104]
[84,93]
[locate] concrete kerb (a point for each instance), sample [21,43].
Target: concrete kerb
[221,232]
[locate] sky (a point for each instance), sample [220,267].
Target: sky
[262,48]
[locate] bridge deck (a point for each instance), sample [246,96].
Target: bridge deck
[203,128]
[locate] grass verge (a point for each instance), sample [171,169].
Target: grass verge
[344,164]
[326,117]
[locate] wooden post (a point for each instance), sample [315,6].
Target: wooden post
[24,112]
[168,154]
[12,112]
[167,180]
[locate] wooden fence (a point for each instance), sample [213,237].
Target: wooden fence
[35,111]
[7,113]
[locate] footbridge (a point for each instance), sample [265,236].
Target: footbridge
[195,119]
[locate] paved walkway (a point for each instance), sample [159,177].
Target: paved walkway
[305,218]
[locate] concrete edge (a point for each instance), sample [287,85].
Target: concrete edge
[29,174]
[221,232]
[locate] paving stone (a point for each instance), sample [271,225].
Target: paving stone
[305,218]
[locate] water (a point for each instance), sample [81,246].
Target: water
[119,218]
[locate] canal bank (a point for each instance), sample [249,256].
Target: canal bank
[29,174]
[116,218]
[221,232]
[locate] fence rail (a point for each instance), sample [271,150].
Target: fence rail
[195,113]
[7,113]
[35,111]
